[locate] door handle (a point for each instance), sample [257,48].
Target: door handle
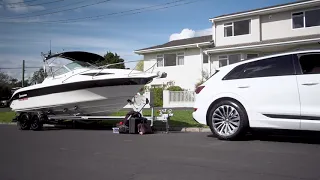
[243,86]
[310,84]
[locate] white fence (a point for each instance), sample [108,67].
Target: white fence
[172,99]
[178,98]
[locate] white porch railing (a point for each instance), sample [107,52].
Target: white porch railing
[178,98]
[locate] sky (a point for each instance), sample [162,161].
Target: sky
[99,26]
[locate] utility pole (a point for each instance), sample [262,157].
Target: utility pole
[23,70]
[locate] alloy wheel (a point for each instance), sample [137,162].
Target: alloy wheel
[226,120]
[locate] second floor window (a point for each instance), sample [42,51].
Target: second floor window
[237,28]
[309,18]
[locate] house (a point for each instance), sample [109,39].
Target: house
[244,35]
[236,37]
[182,60]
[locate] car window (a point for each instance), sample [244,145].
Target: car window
[310,63]
[235,73]
[275,66]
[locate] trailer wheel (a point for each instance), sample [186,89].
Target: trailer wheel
[24,121]
[37,122]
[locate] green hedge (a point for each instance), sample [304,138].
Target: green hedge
[158,96]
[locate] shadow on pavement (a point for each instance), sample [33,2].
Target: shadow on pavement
[290,136]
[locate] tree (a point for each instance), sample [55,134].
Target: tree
[38,76]
[204,77]
[140,65]
[111,58]
[4,78]
[5,85]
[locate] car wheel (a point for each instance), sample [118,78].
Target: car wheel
[228,120]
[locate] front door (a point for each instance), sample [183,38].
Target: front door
[309,89]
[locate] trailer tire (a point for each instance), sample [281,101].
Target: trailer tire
[24,121]
[37,122]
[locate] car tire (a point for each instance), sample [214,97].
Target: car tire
[228,120]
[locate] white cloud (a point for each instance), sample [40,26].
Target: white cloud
[189,33]
[203,32]
[19,6]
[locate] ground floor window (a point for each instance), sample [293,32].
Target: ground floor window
[170,59]
[229,59]
[205,58]
[252,55]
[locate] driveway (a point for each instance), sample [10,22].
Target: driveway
[67,154]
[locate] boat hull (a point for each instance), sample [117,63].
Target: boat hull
[95,101]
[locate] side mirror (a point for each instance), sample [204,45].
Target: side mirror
[147,101]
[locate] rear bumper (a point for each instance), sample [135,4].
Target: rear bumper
[200,116]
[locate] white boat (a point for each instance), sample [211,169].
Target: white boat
[80,88]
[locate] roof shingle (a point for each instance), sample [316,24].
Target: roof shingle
[180,42]
[278,5]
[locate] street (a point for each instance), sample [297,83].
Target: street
[2,109]
[67,154]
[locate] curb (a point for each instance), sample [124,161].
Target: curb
[8,123]
[195,130]
[13,123]
[182,129]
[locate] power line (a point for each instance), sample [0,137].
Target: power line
[2,2]
[19,6]
[62,10]
[21,15]
[102,16]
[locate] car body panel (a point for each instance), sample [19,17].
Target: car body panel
[270,102]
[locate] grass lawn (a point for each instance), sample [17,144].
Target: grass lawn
[6,117]
[180,118]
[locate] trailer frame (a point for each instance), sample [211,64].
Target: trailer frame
[35,120]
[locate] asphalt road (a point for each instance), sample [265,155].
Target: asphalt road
[100,155]
[2,109]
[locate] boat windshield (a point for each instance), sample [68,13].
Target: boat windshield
[78,65]
[72,66]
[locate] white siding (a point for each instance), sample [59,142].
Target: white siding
[185,76]
[254,35]
[279,25]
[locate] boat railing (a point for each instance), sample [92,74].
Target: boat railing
[131,72]
[76,74]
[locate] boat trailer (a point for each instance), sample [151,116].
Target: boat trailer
[36,120]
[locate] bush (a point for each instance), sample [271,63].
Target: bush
[174,88]
[158,96]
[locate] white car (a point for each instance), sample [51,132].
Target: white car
[279,91]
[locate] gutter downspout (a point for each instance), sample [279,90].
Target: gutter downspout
[201,55]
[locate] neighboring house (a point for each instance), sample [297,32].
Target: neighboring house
[182,60]
[269,30]
[236,37]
